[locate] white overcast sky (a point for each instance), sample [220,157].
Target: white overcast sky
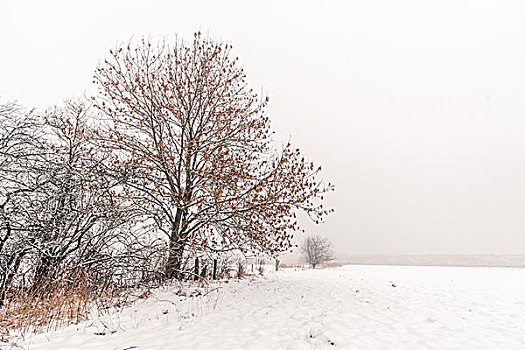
[415,109]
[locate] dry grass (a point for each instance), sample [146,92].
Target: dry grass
[331,264]
[70,299]
[54,303]
[291,266]
[299,266]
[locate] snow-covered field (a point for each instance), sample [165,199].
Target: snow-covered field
[351,307]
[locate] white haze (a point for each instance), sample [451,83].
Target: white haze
[414,109]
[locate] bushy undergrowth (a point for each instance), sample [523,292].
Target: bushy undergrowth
[78,294]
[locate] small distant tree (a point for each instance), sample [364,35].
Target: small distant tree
[317,250]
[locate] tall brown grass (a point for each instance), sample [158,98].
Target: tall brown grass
[53,303]
[290,266]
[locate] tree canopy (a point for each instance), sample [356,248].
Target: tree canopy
[194,144]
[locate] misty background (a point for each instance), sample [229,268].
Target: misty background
[415,110]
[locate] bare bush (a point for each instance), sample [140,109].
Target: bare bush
[60,211]
[22,159]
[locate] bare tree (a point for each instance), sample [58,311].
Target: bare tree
[76,209]
[21,154]
[194,143]
[316,250]
[59,210]
[84,219]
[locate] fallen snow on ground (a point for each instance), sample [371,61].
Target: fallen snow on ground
[351,307]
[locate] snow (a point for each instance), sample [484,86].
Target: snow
[350,307]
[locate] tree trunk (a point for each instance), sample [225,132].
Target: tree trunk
[8,278]
[176,249]
[196,277]
[173,267]
[42,271]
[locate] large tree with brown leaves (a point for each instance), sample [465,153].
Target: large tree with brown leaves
[194,142]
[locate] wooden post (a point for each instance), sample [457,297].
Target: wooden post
[214,269]
[196,269]
[276,264]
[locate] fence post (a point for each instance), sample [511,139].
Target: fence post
[214,269]
[276,264]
